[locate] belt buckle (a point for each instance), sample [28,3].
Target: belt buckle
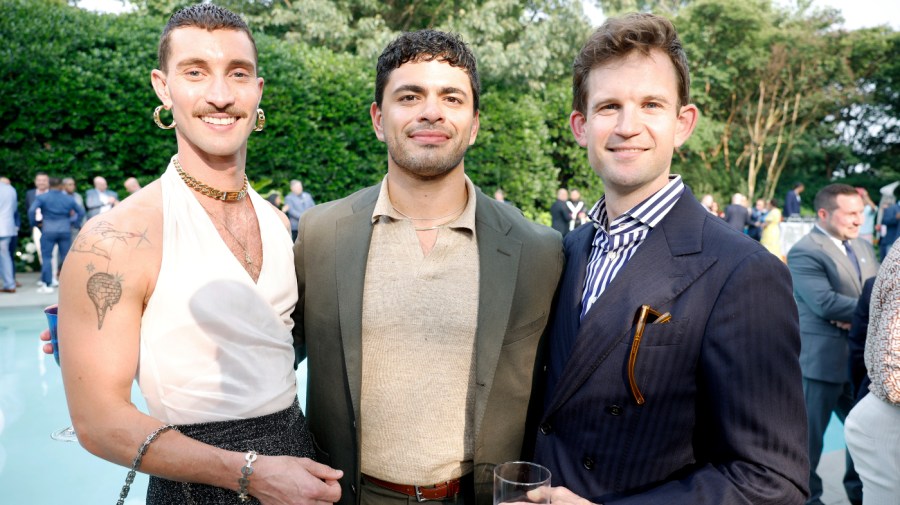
[419,497]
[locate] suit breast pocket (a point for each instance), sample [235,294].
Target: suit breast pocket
[671,333]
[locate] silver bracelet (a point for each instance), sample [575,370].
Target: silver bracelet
[137,460]
[246,472]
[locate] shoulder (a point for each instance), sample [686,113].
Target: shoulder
[330,212]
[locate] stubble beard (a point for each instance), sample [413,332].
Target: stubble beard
[429,164]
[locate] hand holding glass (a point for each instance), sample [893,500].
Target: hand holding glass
[65,434]
[521,482]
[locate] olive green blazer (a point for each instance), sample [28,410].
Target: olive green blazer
[520,265]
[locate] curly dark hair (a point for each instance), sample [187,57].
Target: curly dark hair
[426,45]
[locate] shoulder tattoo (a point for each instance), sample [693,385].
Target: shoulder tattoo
[105,289]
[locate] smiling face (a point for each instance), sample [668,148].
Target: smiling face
[212,89]
[632,123]
[426,118]
[844,220]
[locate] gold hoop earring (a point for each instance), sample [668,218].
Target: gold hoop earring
[260,120]
[159,121]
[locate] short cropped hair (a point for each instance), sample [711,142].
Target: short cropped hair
[422,46]
[618,37]
[205,16]
[826,198]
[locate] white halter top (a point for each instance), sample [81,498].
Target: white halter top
[216,346]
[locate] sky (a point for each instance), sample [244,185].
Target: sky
[857,13]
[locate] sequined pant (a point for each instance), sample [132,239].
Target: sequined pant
[283,433]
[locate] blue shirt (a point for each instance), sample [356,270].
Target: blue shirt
[297,205]
[611,250]
[57,209]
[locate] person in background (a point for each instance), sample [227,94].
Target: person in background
[575,206]
[829,266]
[9,201]
[870,212]
[890,222]
[710,411]
[737,215]
[559,212]
[295,204]
[69,188]
[709,203]
[60,213]
[757,220]
[500,196]
[14,240]
[771,232]
[99,199]
[275,199]
[132,185]
[872,428]
[792,200]
[41,186]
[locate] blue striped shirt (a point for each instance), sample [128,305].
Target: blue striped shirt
[611,250]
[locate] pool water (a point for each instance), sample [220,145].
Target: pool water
[34,469]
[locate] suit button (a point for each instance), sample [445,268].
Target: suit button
[546,428]
[588,463]
[353,488]
[614,410]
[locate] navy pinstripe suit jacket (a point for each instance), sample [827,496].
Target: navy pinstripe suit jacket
[724,420]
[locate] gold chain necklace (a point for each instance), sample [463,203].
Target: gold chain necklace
[203,189]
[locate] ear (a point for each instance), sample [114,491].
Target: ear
[577,123]
[159,82]
[261,86]
[375,112]
[687,121]
[476,124]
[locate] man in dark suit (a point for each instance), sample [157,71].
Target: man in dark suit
[737,215]
[422,300]
[559,212]
[792,200]
[829,266]
[672,375]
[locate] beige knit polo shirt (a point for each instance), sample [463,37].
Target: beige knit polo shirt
[418,340]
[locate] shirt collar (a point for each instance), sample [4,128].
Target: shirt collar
[649,212]
[839,243]
[383,207]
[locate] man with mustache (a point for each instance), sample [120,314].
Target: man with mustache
[422,300]
[183,286]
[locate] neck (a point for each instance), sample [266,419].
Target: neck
[621,200]
[222,172]
[427,198]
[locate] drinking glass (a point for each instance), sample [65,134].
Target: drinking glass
[521,482]
[66,434]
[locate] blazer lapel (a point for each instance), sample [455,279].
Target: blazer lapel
[498,255]
[352,237]
[664,266]
[839,255]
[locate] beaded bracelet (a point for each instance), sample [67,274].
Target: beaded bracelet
[137,460]
[246,472]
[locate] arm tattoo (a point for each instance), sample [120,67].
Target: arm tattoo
[104,289]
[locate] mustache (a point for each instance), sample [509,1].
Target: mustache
[230,110]
[430,127]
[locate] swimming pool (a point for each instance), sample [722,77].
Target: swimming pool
[34,469]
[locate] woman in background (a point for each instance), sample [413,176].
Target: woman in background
[771,233]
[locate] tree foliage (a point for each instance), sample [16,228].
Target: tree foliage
[784,94]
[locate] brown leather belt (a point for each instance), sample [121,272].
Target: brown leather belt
[442,491]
